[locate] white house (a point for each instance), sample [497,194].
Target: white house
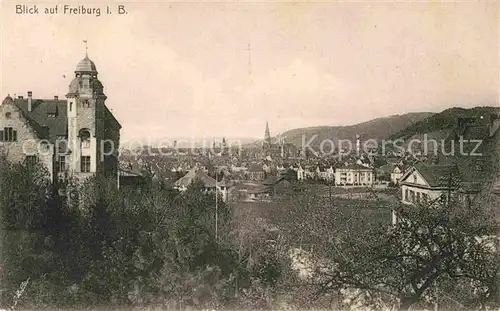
[396,175]
[300,173]
[424,182]
[354,174]
[330,174]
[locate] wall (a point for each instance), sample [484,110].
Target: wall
[28,142]
[431,193]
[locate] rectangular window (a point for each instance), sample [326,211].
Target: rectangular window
[62,164]
[31,160]
[85,164]
[9,134]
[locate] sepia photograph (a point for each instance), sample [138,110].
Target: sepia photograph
[249,155]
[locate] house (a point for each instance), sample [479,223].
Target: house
[325,174]
[257,192]
[209,183]
[288,173]
[396,175]
[300,174]
[276,185]
[75,138]
[330,174]
[463,172]
[428,182]
[256,172]
[355,175]
[309,172]
[267,168]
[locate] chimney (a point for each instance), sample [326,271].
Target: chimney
[30,95]
[56,97]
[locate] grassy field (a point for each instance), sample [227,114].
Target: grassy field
[312,220]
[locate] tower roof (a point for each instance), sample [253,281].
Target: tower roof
[267,135]
[86,65]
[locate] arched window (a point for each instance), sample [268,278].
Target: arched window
[85,138]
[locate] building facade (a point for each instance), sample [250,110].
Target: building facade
[74,138]
[354,175]
[396,175]
[422,183]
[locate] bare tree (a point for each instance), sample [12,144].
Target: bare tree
[431,244]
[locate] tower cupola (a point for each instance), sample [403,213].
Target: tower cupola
[86,65]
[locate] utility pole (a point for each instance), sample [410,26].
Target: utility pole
[216,206]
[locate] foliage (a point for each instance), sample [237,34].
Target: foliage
[120,247]
[442,120]
[159,247]
[431,249]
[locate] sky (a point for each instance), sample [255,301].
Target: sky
[184,69]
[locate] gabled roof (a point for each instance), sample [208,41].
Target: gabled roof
[193,175]
[48,126]
[258,189]
[40,131]
[436,176]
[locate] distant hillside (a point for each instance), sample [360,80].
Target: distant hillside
[379,128]
[443,121]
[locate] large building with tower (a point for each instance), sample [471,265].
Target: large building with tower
[74,138]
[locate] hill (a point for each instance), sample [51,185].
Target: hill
[442,122]
[379,128]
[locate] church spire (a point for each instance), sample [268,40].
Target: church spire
[267,135]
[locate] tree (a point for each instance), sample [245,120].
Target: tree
[430,245]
